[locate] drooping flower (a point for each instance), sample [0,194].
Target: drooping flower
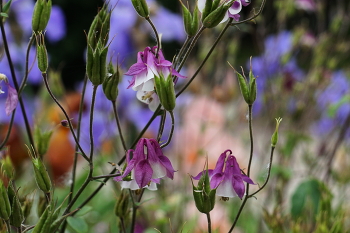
[12,97]
[227,177]
[232,11]
[147,165]
[143,71]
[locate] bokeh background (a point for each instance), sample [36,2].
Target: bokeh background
[299,50]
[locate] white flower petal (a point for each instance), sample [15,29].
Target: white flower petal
[225,189]
[236,7]
[201,5]
[148,86]
[130,185]
[159,171]
[152,186]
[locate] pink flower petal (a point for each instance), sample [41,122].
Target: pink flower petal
[11,100]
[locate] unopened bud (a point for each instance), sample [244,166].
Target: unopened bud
[41,15]
[141,7]
[216,16]
[99,29]
[191,22]
[41,175]
[5,206]
[122,207]
[274,138]
[41,53]
[165,90]
[42,140]
[110,85]
[96,64]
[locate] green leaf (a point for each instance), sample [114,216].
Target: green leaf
[84,210]
[78,225]
[4,15]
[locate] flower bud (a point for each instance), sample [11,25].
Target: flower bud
[41,53]
[191,22]
[40,173]
[99,29]
[274,138]
[204,196]
[244,87]
[5,9]
[141,7]
[42,140]
[110,85]
[41,15]
[7,167]
[17,217]
[5,206]
[96,64]
[165,91]
[216,16]
[122,207]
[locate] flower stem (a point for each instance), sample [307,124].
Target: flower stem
[13,74]
[156,34]
[65,114]
[123,225]
[161,126]
[206,57]
[7,222]
[118,124]
[171,130]
[184,46]
[209,222]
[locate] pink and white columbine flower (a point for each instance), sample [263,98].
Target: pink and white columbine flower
[146,167]
[143,71]
[227,179]
[232,11]
[12,97]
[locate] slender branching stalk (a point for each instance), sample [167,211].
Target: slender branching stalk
[116,116]
[171,130]
[209,222]
[161,126]
[156,34]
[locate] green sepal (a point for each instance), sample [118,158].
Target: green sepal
[252,91]
[6,7]
[110,85]
[165,91]
[215,5]
[121,209]
[103,65]
[40,224]
[274,138]
[41,15]
[207,9]
[5,205]
[195,21]
[141,7]
[42,177]
[89,61]
[42,140]
[16,217]
[187,17]
[216,16]
[244,87]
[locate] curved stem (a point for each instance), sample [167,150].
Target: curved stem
[209,222]
[161,126]
[8,130]
[253,17]
[116,116]
[13,74]
[171,130]
[156,34]
[65,114]
[206,57]
[184,46]
[268,174]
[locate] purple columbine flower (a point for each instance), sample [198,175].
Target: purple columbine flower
[12,97]
[146,167]
[227,179]
[143,71]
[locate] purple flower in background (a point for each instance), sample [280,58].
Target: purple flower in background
[227,179]
[147,164]
[56,27]
[12,97]
[308,5]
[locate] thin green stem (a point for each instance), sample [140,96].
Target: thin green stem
[65,114]
[91,164]
[116,116]
[7,222]
[134,210]
[252,17]
[249,165]
[161,126]
[8,130]
[184,46]
[13,74]
[206,57]
[171,130]
[268,174]
[106,176]
[156,34]
[209,222]
[189,50]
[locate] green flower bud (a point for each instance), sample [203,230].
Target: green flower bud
[165,91]
[42,140]
[41,175]
[141,7]
[216,16]
[207,9]
[17,217]
[204,196]
[41,15]
[191,22]
[41,53]
[110,86]
[5,206]
[5,9]
[244,87]
[99,29]
[96,64]
[274,138]
[121,209]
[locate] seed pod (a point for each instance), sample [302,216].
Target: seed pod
[244,87]
[41,175]
[41,15]
[216,16]
[17,217]
[110,86]
[274,138]
[141,7]
[165,91]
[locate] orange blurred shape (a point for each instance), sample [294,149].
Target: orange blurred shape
[17,149]
[60,154]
